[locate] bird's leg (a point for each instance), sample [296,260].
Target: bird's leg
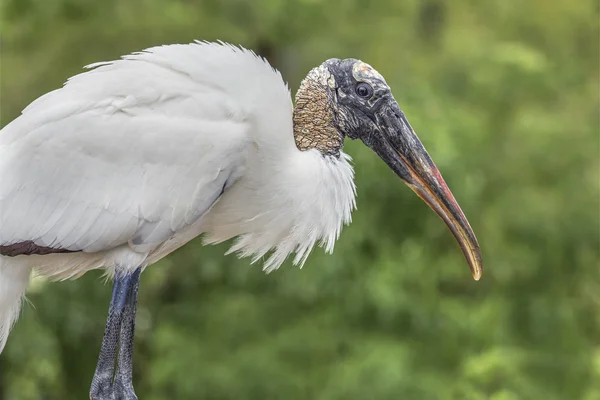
[102,383]
[124,376]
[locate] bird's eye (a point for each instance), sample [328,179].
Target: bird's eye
[364,90]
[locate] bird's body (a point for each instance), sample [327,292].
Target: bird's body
[133,159]
[133,171]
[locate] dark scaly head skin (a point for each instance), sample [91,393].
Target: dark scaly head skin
[349,98]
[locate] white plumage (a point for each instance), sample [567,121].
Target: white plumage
[126,162]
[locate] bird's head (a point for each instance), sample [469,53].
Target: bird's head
[349,98]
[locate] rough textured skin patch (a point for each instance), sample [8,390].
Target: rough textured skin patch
[313,118]
[28,248]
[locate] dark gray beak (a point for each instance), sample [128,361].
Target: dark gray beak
[398,145]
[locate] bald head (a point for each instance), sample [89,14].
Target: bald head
[331,101]
[349,98]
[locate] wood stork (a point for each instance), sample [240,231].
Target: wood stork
[132,159]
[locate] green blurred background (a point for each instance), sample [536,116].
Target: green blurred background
[504,95]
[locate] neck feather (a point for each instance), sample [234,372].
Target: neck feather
[286,211]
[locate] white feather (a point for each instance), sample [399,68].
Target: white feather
[126,162]
[14,277]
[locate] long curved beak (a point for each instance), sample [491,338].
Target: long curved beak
[400,148]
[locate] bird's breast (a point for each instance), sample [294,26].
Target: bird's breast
[304,200]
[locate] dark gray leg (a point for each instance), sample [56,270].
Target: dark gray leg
[121,314]
[124,375]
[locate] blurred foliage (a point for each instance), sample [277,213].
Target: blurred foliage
[504,95]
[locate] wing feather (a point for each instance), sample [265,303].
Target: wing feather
[130,152]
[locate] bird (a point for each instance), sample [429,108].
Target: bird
[133,158]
